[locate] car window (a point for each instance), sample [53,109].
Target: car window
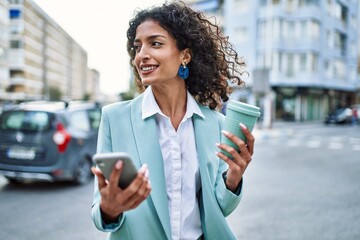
[94,117]
[80,120]
[25,121]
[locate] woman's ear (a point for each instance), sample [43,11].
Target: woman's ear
[187,55]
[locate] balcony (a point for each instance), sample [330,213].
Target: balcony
[16,59]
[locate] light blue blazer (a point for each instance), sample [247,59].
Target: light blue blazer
[123,129]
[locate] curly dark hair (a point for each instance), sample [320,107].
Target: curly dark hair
[214,61]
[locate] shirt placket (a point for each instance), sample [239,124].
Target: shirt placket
[177,181]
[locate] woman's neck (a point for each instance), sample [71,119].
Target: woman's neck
[172,102]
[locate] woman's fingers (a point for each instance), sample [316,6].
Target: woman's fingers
[250,139]
[115,176]
[117,200]
[101,178]
[246,150]
[139,196]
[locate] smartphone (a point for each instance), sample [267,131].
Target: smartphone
[106,163]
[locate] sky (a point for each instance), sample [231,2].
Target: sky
[99,26]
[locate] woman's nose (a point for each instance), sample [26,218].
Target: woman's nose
[143,53]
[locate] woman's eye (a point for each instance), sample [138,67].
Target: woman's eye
[157,44]
[136,48]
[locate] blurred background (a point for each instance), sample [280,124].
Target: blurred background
[303,61]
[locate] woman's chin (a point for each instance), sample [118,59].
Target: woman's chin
[146,81]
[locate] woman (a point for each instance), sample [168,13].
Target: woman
[172,131]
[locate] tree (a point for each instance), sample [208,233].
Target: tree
[54,94]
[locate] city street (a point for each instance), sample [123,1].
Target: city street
[303,183]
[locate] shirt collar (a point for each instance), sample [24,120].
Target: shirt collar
[150,107]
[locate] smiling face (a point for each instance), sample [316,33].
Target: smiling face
[157,58]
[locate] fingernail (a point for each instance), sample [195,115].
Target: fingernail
[217,144]
[146,173]
[143,169]
[118,165]
[144,166]
[225,132]
[243,126]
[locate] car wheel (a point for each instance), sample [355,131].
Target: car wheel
[83,172]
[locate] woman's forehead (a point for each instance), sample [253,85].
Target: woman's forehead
[150,28]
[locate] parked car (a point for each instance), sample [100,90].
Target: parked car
[51,141]
[339,116]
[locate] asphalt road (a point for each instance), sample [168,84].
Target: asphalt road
[303,183]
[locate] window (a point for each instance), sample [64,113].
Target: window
[280,57]
[328,71]
[290,65]
[303,29]
[79,120]
[314,30]
[291,30]
[353,49]
[330,39]
[340,42]
[241,34]
[340,12]
[25,121]
[308,2]
[275,2]
[16,1]
[353,21]
[303,62]
[290,5]
[16,29]
[241,5]
[339,69]
[313,62]
[262,30]
[16,44]
[276,31]
[15,13]
[329,7]
[94,116]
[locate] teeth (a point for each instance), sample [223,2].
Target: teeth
[148,68]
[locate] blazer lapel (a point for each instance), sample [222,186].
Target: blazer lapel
[213,221]
[150,153]
[205,143]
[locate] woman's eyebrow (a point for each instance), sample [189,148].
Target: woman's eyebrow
[152,37]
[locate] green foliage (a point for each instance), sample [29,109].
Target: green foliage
[54,94]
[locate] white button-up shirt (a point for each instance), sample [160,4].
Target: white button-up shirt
[181,166]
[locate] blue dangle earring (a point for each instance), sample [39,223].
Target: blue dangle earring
[183,71]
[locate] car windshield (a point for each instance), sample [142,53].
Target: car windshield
[25,121]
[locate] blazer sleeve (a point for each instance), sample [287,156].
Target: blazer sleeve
[104,144]
[227,200]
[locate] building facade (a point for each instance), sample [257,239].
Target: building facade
[308,47]
[301,54]
[45,62]
[4,45]
[93,85]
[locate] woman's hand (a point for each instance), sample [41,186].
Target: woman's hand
[241,159]
[114,200]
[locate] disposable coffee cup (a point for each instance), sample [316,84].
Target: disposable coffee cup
[236,113]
